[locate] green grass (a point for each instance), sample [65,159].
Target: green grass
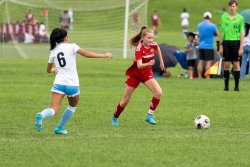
[25,90]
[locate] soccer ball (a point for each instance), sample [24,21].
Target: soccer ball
[202,122]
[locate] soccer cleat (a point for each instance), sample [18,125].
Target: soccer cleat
[150,119]
[39,122]
[236,89]
[115,121]
[60,130]
[226,89]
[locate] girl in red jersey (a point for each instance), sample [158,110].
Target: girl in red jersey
[141,71]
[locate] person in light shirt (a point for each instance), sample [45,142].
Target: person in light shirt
[155,21]
[62,62]
[184,21]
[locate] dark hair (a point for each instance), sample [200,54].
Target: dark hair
[136,39]
[231,2]
[57,36]
[247,28]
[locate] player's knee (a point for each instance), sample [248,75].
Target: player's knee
[158,94]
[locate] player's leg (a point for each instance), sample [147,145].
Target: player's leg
[49,112]
[208,65]
[199,68]
[243,64]
[155,88]
[248,55]
[227,55]
[236,65]
[73,99]
[226,75]
[123,103]
[190,71]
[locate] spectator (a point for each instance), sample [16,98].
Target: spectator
[70,13]
[246,53]
[231,42]
[184,21]
[65,20]
[191,50]
[43,34]
[155,20]
[207,31]
[30,17]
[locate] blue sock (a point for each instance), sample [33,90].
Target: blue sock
[48,112]
[67,115]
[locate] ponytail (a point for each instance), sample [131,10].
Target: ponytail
[57,36]
[136,39]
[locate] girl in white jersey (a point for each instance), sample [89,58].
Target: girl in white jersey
[62,62]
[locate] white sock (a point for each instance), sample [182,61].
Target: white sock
[151,112]
[48,112]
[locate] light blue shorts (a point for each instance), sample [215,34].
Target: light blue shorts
[70,91]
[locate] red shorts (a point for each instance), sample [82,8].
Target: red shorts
[134,80]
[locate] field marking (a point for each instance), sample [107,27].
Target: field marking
[2,2]
[18,48]
[87,136]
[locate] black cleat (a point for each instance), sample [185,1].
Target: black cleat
[236,89]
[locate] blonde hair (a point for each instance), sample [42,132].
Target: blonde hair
[134,41]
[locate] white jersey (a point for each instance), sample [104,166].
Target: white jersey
[64,58]
[184,17]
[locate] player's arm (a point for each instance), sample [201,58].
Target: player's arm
[220,44]
[160,59]
[90,54]
[241,43]
[141,65]
[186,49]
[216,33]
[51,69]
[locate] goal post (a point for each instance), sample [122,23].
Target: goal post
[98,25]
[134,14]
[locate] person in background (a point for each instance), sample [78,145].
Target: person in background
[43,34]
[65,20]
[184,21]
[62,62]
[207,32]
[246,53]
[155,21]
[231,42]
[191,50]
[30,17]
[70,13]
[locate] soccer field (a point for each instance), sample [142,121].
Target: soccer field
[93,141]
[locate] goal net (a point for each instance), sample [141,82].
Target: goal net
[96,25]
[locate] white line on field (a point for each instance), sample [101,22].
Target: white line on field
[86,136]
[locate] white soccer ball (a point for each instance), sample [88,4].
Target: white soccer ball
[202,122]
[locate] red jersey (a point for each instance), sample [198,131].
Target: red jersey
[155,19]
[146,55]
